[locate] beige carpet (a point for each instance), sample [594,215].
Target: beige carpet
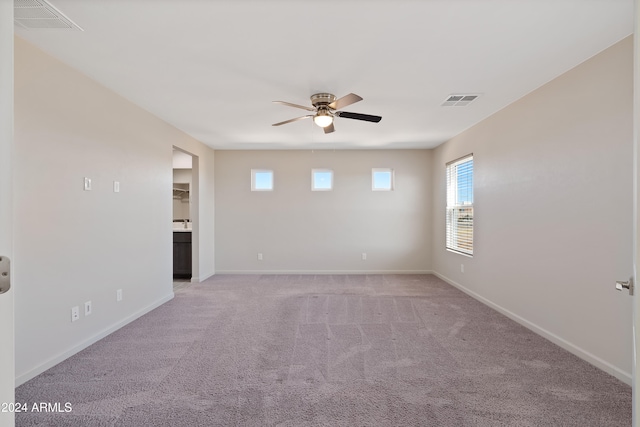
[380,350]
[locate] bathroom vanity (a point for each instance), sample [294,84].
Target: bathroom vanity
[182,254]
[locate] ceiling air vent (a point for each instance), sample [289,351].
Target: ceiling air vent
[459,100]
[38,15]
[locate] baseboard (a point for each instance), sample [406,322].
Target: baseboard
[570,347]
[221,272]
[23,378]
[203,278]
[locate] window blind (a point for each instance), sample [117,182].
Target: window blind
[459,215]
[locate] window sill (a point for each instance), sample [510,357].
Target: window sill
[459,253]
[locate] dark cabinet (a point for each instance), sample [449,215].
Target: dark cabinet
[182,254]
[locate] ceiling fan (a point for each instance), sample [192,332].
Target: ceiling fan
[325,106]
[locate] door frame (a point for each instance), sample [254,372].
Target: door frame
[194,202]
[635,380]
[7,328]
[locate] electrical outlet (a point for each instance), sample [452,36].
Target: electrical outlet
[364,256]
[119,295]
[461,268]
[259,256]
[75,313]
[87,308]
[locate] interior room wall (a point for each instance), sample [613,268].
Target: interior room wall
[553,210]
[304,231]
[71,245]
[181,206]
[182,176]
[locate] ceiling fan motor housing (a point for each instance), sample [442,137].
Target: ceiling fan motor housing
[322,99]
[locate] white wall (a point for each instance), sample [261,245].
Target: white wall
[182,160]
[180,208]
[553,209]
[71,245]
[7,372]
[182,176]
[182,205]
[298,230]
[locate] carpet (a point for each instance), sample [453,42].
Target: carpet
[325,350]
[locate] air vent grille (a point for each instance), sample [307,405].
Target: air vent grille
[39,14]
[459,100]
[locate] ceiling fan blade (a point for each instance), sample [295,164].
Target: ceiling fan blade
[295,105]
[358,116]
[292,120]
[329,128]
[352,98]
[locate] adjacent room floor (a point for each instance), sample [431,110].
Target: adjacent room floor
[179,284]
[363,350]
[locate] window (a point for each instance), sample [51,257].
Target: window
[382,179]
[460,205]
[261,180]
[321,179]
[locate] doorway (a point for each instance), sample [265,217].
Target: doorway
[183,219]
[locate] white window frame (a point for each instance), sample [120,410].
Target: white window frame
[253,179]
[313,179]
[391,181]
[457,239]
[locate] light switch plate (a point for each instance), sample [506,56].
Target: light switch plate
[87,184]
[116,186]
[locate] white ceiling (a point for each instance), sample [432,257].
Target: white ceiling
[212,67]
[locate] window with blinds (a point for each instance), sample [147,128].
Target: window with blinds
[460,205]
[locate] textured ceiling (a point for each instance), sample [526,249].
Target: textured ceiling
[212,68]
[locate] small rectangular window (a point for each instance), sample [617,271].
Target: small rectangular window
[261,180]
[459,222]
[382,179]
[321,179]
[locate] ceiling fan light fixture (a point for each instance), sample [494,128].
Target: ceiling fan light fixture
[326,106]
[323,119]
